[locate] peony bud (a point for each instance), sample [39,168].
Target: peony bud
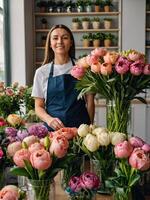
[83,130]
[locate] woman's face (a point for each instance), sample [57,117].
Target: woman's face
[60,41]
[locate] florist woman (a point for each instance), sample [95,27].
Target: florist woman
[54,90]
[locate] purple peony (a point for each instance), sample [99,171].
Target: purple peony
[122,65]
[74,184]
[21,134]
[38,130]
[11,132]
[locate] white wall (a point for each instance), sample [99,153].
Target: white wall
[133,24]
[17,38]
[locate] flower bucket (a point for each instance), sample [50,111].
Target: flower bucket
[40,190]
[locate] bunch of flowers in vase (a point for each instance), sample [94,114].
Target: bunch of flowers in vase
[118,77]
[97,143]
[11,192]
[39,160]
[83,187]
[133,159]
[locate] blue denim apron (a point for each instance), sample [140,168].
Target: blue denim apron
[62,100]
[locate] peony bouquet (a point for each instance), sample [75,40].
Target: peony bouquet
[40,159]
[118,77]
[133,157]
[97,143]
[83,187]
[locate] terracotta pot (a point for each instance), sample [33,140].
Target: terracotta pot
[86,43]
[107,43]
[95,25]
[75,25]
[106,8]
[97,8]
[96,43]
[85,25]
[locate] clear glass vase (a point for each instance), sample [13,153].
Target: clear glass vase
[118,116]
[40,190]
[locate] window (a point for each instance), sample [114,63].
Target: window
[2,70]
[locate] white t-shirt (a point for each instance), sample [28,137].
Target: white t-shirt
[42,74]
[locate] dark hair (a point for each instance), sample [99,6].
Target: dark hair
[49,54]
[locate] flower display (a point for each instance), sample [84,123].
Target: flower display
[40,159]
[132,160]
[83,186]
[118,77]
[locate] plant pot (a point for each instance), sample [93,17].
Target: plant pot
[88,8]
[106,8]
[97,8]
[85,25]
[96,43]
[79,9]
[107,43]
[86,43]
[75,25]
[44,26]
[107,24]
[95,25]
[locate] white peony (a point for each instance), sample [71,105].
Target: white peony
[117,137]
[103,138]
[83,130]
[91,143]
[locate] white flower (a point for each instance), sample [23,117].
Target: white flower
[117,137]
[99,130]
[83,130]
[91,143]
[103,138]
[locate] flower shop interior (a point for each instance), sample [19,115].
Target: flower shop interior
[108,160]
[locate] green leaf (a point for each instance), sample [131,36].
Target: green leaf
[30,170]
[18,171]
[134,180]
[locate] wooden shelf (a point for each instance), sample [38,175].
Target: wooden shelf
[75,13]
[111,47]
[83,30]
[147,29]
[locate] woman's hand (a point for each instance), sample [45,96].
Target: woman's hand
[55,123]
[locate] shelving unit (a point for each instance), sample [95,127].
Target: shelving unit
[66,18]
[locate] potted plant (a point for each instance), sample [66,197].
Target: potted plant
[69,5]
[42,5]
[107,23]
[44,23]
[60,6]
[51,5]
[95,22]
[75,23]
[80,5]
[85,22]
[88,4]
[107,4]
[97,5]
[108,38]
[97,38]
[86,38]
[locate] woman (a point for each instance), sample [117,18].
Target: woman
[54,88]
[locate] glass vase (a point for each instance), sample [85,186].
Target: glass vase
[40,190]
[83,196]
[118,116]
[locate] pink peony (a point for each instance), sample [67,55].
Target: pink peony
[9,91]
[20,156]
[146,148]
[74,184]
[92,59]
[123,149]
[95,68]
[136,68]
[106,69]
[21,134]
[30,140]
[111,57]
[82,62]
[99,52]
[89,180]
[78,72]
[139,160]
[122,65]
[38,130]
[59,146]
[134,56]
[41,159]
[11,131]
[9,192]
[13,147]
[1,153]
[34,147]
[136,141]
[146,69]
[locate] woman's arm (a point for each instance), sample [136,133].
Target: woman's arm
[90,106]
[53,122]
